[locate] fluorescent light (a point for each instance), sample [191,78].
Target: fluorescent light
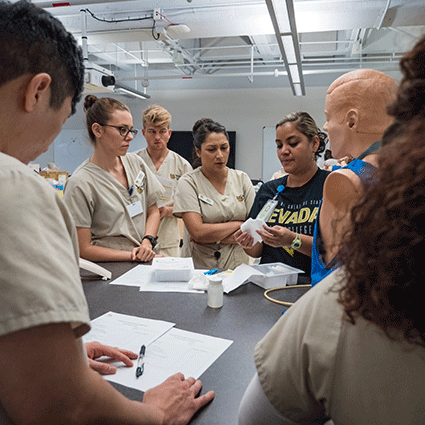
[130,92]
[282,15]
[288,44]
[298,90]
[295,75]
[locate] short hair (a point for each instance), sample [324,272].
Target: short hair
[156,115]
[306,125]
[100,110]
[33,42]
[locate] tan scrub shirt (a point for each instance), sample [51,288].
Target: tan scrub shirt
[314,364]
[173,167]
[98,201]
[40,278]
[195,193]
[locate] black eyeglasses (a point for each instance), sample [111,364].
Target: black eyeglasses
[122,130]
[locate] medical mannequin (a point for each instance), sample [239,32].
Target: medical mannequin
[356,118]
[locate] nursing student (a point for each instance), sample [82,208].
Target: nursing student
[112,196]
[287,236]
[44,375]
[169,167]
[214,200]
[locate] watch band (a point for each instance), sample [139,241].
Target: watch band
[151,239]
[296,243]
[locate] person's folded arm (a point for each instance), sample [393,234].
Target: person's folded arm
[208,232]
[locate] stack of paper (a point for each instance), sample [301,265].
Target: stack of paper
[168,350]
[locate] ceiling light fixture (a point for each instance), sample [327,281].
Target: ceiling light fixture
[131,92]
[288,42]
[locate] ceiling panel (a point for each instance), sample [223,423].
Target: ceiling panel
[232,43]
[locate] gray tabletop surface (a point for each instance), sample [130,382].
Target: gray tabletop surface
[245,318]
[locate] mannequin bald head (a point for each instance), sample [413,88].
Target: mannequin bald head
[357,102]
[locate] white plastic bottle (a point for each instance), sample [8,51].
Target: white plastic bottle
[215,292]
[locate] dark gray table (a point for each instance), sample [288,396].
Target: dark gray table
[244,318]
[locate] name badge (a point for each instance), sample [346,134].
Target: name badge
[267,210]
[135,208]
[140,181]
[205,199]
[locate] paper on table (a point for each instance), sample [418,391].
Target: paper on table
[175,351]
[237,278]
[124,331]
[143,276]
[167,197]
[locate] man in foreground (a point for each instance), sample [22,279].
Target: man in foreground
[44,374]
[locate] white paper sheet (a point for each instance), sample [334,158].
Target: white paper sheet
[174,351]
[124,331]
[143,276]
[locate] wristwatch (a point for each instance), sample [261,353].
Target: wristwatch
[296,243]
[151,239]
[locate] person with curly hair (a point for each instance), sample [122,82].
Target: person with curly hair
[352,349]
[288,234]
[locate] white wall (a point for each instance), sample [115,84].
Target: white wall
[240,110]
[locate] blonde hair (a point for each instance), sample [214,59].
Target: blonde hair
[156,115]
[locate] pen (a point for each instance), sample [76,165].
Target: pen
[130,191]
[210,272]
[140,362]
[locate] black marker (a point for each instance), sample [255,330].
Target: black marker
[141,362]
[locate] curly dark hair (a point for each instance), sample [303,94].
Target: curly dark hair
[410,98]
[383,250]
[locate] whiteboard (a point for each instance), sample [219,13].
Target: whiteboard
[271,163]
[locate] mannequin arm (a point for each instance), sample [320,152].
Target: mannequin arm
[340,193]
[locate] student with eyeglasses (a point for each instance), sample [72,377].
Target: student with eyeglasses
[112,195]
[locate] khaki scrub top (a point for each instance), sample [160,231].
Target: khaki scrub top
[40,278]
[314,365]
[195,193]
[173,167]
[98,201]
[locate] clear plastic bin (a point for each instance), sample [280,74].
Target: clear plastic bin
[274,275]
